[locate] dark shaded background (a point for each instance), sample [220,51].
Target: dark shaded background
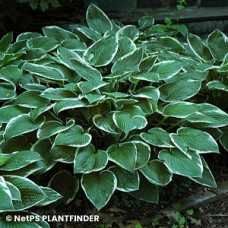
[20,17]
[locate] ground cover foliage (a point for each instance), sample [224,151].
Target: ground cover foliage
[124,107]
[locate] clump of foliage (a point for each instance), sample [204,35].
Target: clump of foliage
[181,4]
[43,4]
[125,107]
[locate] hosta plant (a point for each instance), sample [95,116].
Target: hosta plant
[124,107]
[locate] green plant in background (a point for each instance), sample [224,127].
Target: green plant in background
[43,4]
[155,222]
[125,107]
[181,4]
[176,219]
[175,27]
[181,221]
[19,10]
[35,4]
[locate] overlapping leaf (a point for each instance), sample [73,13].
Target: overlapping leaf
[129,62]
[20,159]
[167,69]
[147,192]
[53,127]
[45,43]
[178,163]
[126,181]
[65,184]
[6,201]
[20,125]
[209,116]
[7,91]
[97,19]
[70,103]
[143,153]
[89,160]
[188,138]
[157,137]
[180,109]
[126,122]
[157,173]
[180,90]
[74,137]
[199,48]
[102,52]
[124,155]
[8,112]
[129,31]
[45,72]
[58,33]
[207,178]
[217,42]
[99,187]
[30,99]
[31,193]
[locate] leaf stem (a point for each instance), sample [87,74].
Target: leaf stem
[134,87]
[162,121]
[176,124]
[55,117]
